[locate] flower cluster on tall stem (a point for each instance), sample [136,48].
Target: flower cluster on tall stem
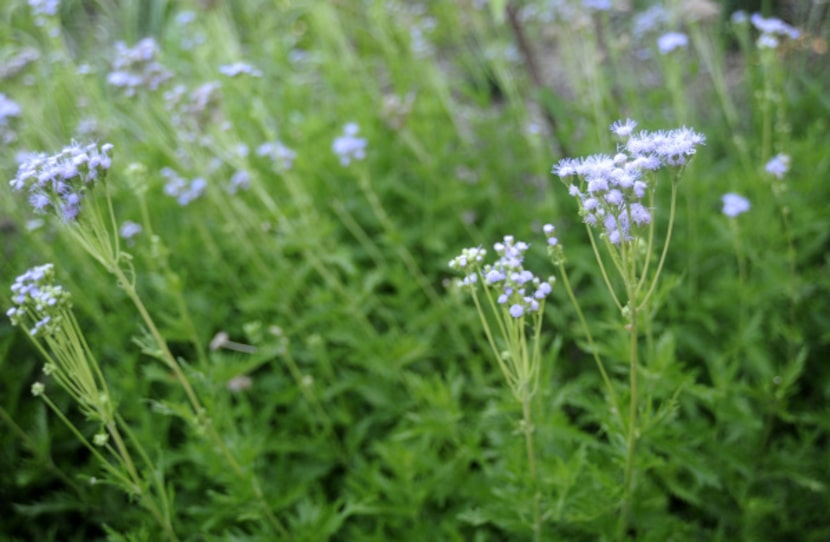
[514,296]
[616,196]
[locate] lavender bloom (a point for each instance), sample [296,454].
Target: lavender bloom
[611,189]
[137,67]
[516,288]
[240,180]
[598,5]
[734,204]
[771,30]
[129,230]
[623,128]
[43,9]
[8,108]
[671,41]
[282,156]
[184,191]
[739,17]
[773,26]
[767,41]
[778,166]
[38,301]
[60,181]
[348,146]
[649,20]
[237,68]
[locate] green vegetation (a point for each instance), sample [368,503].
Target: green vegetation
[249,329]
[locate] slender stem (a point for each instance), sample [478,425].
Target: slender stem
[199,410]
[594,351]
[602,267]
[632,425]
[654,280]
[527,426]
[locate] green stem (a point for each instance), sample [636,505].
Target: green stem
[198,409]
[594,351]
[527,426]
[632,426]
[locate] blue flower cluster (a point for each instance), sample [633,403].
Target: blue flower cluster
[612,189]
[136,67]
[517,288]
[59,182]
[183,190]
[348,146]
[37,297]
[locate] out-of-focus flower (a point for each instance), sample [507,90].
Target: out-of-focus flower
[734,204]
[778,166]
[671,41]
[137,67]
[348,146]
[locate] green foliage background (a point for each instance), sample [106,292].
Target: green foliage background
[375,412]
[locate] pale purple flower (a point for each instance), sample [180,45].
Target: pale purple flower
[773,26]
[129,230]
[649,20]
[240,180]
[767,41]
[60,181]
[183,190]
[778,166]
[8,108]
[38,301]
[137,67]
[623,128]
[512,284]
[349,147]
[739,17]
[279,154]
[611,190]
[671,41]
[238,68]
[548,230]
[598,5]
[734,204]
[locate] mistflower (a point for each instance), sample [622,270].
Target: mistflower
[515,288]
[649,20]
[240,180]
[137,67]
[43,9]
[778,166]
[548,230]
[671,41]
[773,26]
[282,157]
[60,182]
[734,204]
[129,230]
[183,190]
[598,5]
[623,128]
[349,147]
[767,41]
[612,189]
[39,304]
[740,17]
[8,108]
[237,68]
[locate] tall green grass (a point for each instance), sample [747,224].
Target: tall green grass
[291,361]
